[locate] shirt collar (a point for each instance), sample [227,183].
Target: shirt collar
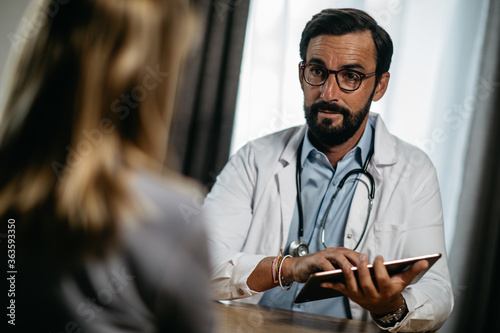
[361,149]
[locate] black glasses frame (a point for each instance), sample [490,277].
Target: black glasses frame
[329,71]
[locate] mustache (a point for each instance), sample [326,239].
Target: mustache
[323,105]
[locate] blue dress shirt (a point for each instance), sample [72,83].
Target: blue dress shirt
[319,181]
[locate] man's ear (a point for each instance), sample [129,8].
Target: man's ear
[301,76]
[381,86]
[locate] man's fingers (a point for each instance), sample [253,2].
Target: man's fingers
[365,279]
[384,282]
[414,270]
[353,257]
[336,286]
[351,282]
[341,257]
[325,265]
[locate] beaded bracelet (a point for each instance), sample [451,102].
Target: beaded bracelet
[276,265]
[273,268]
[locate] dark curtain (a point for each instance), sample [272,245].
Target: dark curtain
[475,254]
[202,130]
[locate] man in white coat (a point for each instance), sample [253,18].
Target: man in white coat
[338,192]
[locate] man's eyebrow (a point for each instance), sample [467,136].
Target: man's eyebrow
[317,61]
[353,66]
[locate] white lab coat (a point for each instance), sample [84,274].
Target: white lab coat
[249,211]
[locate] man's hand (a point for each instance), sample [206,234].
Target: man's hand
[381,297]
[299,269]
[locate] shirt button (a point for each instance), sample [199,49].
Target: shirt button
[240,291]
[349,236]
[318,156]
[334,183]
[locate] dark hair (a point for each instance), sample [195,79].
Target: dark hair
[344,21]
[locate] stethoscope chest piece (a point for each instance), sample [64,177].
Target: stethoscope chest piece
[298,249]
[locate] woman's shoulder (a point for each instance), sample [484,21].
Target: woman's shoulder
[168,198]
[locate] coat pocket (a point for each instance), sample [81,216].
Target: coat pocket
[390,240]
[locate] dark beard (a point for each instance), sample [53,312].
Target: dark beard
[324,132]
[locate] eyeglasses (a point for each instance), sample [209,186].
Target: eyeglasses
[347,79]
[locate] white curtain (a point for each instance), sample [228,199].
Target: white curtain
[434,81]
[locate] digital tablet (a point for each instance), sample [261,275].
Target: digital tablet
[312,290]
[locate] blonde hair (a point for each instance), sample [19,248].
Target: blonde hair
[89,102]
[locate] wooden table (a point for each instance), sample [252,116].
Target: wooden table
[240,317]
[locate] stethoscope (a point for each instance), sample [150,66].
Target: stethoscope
[298,248]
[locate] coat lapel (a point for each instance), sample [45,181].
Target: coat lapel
[384,154]
[285,178]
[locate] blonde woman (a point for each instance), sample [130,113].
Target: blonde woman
[101,242]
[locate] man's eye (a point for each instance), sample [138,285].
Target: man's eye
[316,71]
[351,76]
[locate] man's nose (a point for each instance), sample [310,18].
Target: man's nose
[330,90]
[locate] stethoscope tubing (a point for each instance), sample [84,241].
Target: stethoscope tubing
[371,196]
